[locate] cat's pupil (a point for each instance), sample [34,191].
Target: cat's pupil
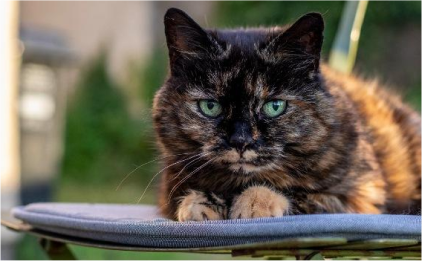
[276,105]
[210,105]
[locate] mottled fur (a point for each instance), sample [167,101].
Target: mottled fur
[343,145]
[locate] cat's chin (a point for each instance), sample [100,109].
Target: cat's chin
[245,168]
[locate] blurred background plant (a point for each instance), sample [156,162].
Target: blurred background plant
[99,129]
[108,131]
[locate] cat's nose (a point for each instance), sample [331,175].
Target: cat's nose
[241,137]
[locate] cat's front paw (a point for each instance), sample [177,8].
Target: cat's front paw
[197,206]
[259,201]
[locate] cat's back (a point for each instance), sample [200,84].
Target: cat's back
[394,131]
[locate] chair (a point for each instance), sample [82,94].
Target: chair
[140,228]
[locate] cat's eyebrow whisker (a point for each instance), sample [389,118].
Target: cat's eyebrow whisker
[146,163]
[152,179]
[188,176]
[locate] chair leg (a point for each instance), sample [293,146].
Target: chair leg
[276,259]
[56,250]
[316,256]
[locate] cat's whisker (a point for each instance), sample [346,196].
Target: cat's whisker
[194,160]
[187,177]
[138,167]
[158,173]
[161,207]
[189,163]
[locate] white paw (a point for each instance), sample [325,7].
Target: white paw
[196,206]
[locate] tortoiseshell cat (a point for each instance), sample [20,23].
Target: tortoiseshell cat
[250,124]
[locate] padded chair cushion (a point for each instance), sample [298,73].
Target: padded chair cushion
[140,225]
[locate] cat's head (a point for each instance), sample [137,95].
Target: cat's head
[247,99]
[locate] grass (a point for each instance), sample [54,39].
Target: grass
[28,248]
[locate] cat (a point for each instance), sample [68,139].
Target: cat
[251,124]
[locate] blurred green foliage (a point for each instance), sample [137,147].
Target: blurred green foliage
[152,76]
[31,250]
[102,142]
[389,47]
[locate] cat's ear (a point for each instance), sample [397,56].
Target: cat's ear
[185,38]
[304,37]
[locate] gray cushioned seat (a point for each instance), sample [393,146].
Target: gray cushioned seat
[140,225]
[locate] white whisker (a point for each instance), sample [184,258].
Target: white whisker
[189,163]
[130,173]
[149,183]
[187,177]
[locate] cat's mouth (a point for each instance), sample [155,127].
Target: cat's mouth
[233,156]
[244,167]
[241,162]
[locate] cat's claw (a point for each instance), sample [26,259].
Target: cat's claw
[196,206]
[259,201]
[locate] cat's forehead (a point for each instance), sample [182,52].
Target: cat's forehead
[246,38]
[235,83]
[243,72]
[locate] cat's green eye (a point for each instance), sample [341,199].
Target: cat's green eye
[210,108]
[274,108]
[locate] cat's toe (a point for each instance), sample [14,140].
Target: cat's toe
[196,206]
[259,201]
